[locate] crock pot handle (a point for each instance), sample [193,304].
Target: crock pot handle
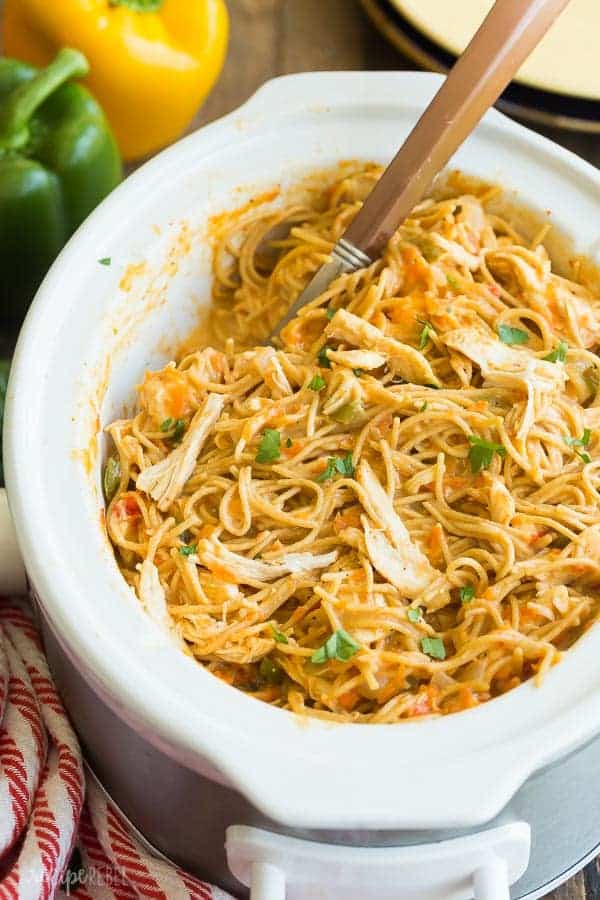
[481,865]
[12,570]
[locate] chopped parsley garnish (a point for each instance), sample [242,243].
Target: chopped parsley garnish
[188,550]
[269,448]
[482,452]
[425,332]
[323,358]
[340,646]
[288,442]
[583,441]
[358,372]
[509,335]
[467,593]
[177,426]
[433,647]
[105,261]
[179,430]
[453,282]
[331,312]
[317,383]
[112,477]
[414,614]
[424,407]
[278,636]
[337,465]
[559,354]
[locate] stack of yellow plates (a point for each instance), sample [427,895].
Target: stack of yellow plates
[559,83]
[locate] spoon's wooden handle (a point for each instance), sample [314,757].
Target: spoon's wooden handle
[503,42]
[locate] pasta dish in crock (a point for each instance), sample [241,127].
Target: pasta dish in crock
[397,512]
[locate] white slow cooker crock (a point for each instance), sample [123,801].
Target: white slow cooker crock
[164,728]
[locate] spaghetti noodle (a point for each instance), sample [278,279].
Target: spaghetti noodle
[395,514]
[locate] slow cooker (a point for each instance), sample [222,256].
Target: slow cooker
[229,787]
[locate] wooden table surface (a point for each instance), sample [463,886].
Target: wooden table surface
[276,37]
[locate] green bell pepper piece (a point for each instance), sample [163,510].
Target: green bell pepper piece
[58,160]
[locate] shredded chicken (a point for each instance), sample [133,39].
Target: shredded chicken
[404,360]
[165,480]
[216,557]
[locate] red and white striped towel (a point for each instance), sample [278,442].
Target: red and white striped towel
[42,788]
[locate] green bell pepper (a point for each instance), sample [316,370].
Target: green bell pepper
[58,159]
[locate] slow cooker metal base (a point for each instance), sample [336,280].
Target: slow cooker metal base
[185,816]
[562,805]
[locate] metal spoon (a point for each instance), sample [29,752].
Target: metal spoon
[503,42]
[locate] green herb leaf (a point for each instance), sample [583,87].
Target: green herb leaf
[559,354]
[453,282]
[279,636]
[188,550]
[317,383]
[509,335]
[176,426]
[112,477]
[424,407]
[331,312]
[340,646]
[288,442]
[329,471]
[358,372]
[337,465]
[425,332]
[482,452]
[583,441]
[414,614]
[345,466]
[269,672]
[270,446]
[323,358]
[105,261]
[467,593]
[433,647]
[178,431]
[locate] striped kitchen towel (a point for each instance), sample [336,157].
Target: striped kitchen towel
[52,843]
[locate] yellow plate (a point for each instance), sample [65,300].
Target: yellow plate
[566,61]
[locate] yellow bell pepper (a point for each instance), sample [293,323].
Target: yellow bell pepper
[152,61]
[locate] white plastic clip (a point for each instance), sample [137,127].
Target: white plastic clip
[482,865]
